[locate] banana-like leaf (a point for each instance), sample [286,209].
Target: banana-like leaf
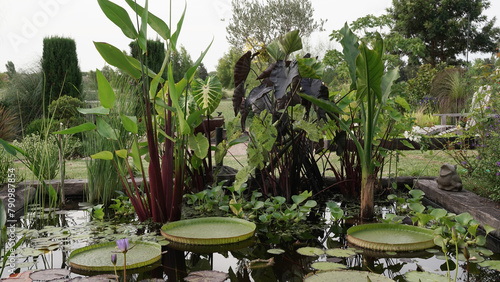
[207,94]
[116,58]
[94,111]
[129,123]
[242,68]
[369,72]
[120,17]
[122,153]
[388,80]
[142,39]
[350,49]
[154,22]
[177,32]
[105,91]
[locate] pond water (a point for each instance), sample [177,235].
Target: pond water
[52,240]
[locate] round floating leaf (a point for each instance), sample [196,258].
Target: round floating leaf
[206,276]
[390,237]
[492,264]
[215,230]
[49,274]
[345,276]
[98,257]
[417,276]
[341,253]
[276,251]
[310,251]
[326,265]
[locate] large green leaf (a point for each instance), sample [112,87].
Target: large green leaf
[207,93]
[290,42]
[154,22]
[310,68]
[104,155]
[143,32]
[115,57]
[215,230]
[94,111]
[98,257]
[105,129]
[388,80]
[199,144]
[118,16]
[274,50]
[11,149]
[350,49]
[369,72]
[105,91]
[129,123]
[77,129]
[177,32]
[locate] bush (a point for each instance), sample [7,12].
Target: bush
[42,155]
[40,126]
[65,108]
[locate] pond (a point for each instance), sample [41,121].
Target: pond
[50,240]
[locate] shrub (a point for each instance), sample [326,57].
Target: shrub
[40,126]
[42,155]
[65,108]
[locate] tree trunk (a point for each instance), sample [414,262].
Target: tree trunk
[367,211]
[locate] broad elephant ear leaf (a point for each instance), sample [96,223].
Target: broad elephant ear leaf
[257,93]
[350,49]
[207,94]
[282,77]
[274,50]
[267,72]
[242,68]
[290,42]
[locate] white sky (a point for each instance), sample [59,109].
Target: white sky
[24,24]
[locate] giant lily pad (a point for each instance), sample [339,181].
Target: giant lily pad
[208,230]
[346,276]
[390,237]
[98,257]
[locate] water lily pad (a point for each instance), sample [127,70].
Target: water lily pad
[98,257]
[276,251]
[208,230]
[417,276]
[310,251]
[391,237]
[97,278]
[326,265]
[345,276]
[206,276]
[49,274]
[341,253]
[492,264]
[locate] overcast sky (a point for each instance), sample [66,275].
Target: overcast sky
[24,24]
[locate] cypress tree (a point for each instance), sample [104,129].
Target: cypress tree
[155,56]
[60,67]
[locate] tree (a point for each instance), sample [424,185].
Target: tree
[447,27]
[11,69]
[60,68]
[201,72]
[225,67]
[181,62]
[154,57]
[256,23]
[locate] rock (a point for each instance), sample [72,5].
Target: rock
[449,179]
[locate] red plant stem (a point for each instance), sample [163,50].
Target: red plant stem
[167,169]
[138,208]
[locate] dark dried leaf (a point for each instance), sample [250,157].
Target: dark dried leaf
[242,68]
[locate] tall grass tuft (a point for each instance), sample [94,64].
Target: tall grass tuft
[103,178]
[9,124]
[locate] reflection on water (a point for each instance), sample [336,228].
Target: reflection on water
[50,240]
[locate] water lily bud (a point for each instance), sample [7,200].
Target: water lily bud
[466,253]
[113,259]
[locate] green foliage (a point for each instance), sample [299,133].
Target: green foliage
[11,69]
[225,67]
[60,68]
[65,108]
[6,163]
[450,87]
[419,87]
[448,28]
[154,57]
[41,126]
[42,155]
[24,97]
[122,206]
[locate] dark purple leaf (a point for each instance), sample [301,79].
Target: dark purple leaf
[257,93]
[267,72]
[238,95]
[242,68]
[282,77]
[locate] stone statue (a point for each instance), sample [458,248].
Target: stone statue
[449,179]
